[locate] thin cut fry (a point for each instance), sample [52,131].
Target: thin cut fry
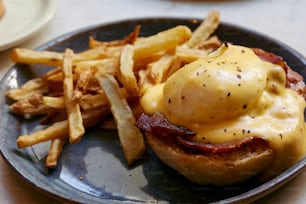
[33,86]
[56,130]
[26,56]
[131,138]
[157,69]
[188,55]
[82,82]
[54,102]
[60,129]
[163,41]
[127,75]
[55,150]
[31,105]
[130,39]
[207,27]
[106,66]
[76,128]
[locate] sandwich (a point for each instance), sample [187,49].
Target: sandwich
[235,114]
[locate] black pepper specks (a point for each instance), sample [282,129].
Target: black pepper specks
[244,106]
[281,135]
[238,76]
[228,94]
[169,100]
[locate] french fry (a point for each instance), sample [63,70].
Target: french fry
[54,152]
[92,54]
[127,75]
[32,105]
[37,85]
[106,66]
[54,102]
[130,39]
[89,101]
[76,128]
[50,58]
[156,70]
[211,44]
[33,86]
[81,84]
[60,129]
[206,28]
[188,55]
[175,65]
[131,138]
[143,82]
[162,41]
[26,56]
[56,130]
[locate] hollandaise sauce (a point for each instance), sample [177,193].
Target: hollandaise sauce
[231,94]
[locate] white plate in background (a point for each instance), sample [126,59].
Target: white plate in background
[23,18]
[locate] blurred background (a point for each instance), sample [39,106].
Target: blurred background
[283,20]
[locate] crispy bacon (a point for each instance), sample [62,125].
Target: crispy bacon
[159,126]
[222,147]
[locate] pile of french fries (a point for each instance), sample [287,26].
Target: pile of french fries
[108,78]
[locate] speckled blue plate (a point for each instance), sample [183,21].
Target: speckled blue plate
[94,170]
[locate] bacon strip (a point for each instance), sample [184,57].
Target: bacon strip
[222,147]
[159,125]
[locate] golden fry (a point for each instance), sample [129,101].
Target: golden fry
[56,130]
[31,105]
[206,28]
[60,129]
[156,70]
[131,138]
[127,75]
[188,55]
[162,41]
[106,66]
[54,102]
[26,56]
[130,39]
[55,150]
[33,86]
[76,128]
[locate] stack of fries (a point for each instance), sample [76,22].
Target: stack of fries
[108,78]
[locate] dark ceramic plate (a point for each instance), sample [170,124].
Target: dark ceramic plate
[94,170]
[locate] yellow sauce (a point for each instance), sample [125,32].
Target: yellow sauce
[232,94]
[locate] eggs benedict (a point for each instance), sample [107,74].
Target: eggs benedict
[225,118]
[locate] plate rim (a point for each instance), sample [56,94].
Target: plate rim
[48,14]
[248,196]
